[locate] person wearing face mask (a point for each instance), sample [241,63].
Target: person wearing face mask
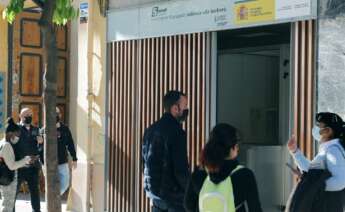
[28,145]
[329,131]
[8,192]
[164,151]
[220,183]
[65,142]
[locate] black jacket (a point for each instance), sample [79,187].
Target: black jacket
[27,144]
[166,170]
[243,181]
[65,142]
[309,194]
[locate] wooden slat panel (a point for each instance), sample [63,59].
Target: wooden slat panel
[304,84]
[142,72]
[310,83]
[110,119]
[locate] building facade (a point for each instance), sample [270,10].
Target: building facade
[264,66]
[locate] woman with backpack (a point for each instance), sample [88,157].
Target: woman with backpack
[8,189]
[329,131]
[220,183]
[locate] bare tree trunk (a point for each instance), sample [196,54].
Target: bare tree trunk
[49,95]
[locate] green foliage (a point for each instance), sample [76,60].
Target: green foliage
[14,7]
[64,11]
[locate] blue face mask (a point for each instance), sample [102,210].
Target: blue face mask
[316,133]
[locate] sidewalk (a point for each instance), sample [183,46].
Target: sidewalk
[23,203]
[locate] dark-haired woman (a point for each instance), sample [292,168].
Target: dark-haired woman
[8,193]
[220,183]
[329,131]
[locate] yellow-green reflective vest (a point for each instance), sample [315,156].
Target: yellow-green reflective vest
[217,197]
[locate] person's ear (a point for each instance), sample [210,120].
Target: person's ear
[174,109]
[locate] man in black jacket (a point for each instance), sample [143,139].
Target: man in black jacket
[28,145]
[166,170]
[65,142]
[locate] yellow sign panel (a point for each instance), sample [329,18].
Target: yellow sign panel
[252,11]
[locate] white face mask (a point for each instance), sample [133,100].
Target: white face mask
[15,140]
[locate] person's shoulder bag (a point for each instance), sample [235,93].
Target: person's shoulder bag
[6,175]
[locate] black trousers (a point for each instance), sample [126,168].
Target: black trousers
[162,206]
[31,176]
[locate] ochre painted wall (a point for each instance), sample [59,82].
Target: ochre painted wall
[3,59]
[3,43]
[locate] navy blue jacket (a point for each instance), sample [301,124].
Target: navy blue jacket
[166,170]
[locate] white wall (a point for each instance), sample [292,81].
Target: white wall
[87,109]
[248,95]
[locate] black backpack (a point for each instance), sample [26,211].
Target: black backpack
[6,175]
[154,153]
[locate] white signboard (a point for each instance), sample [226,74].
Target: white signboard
[180,17]
[184,16]
[293,8]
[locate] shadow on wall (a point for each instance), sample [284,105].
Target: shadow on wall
[121,181]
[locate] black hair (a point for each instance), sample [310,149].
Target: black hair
[171,98]
[223,138]
[335,122]
[11,126]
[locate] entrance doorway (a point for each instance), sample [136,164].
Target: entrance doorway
[253,94]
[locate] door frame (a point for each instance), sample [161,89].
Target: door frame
[288,180]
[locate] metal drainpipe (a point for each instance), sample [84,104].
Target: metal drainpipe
[90,98]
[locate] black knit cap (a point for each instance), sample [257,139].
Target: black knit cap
[11,126]
[333,121]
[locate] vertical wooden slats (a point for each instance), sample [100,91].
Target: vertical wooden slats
[126,120]
[310,82]
[117,125]
[133,176]
[139,126]
[110,190]
[141,73]
[304,83]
